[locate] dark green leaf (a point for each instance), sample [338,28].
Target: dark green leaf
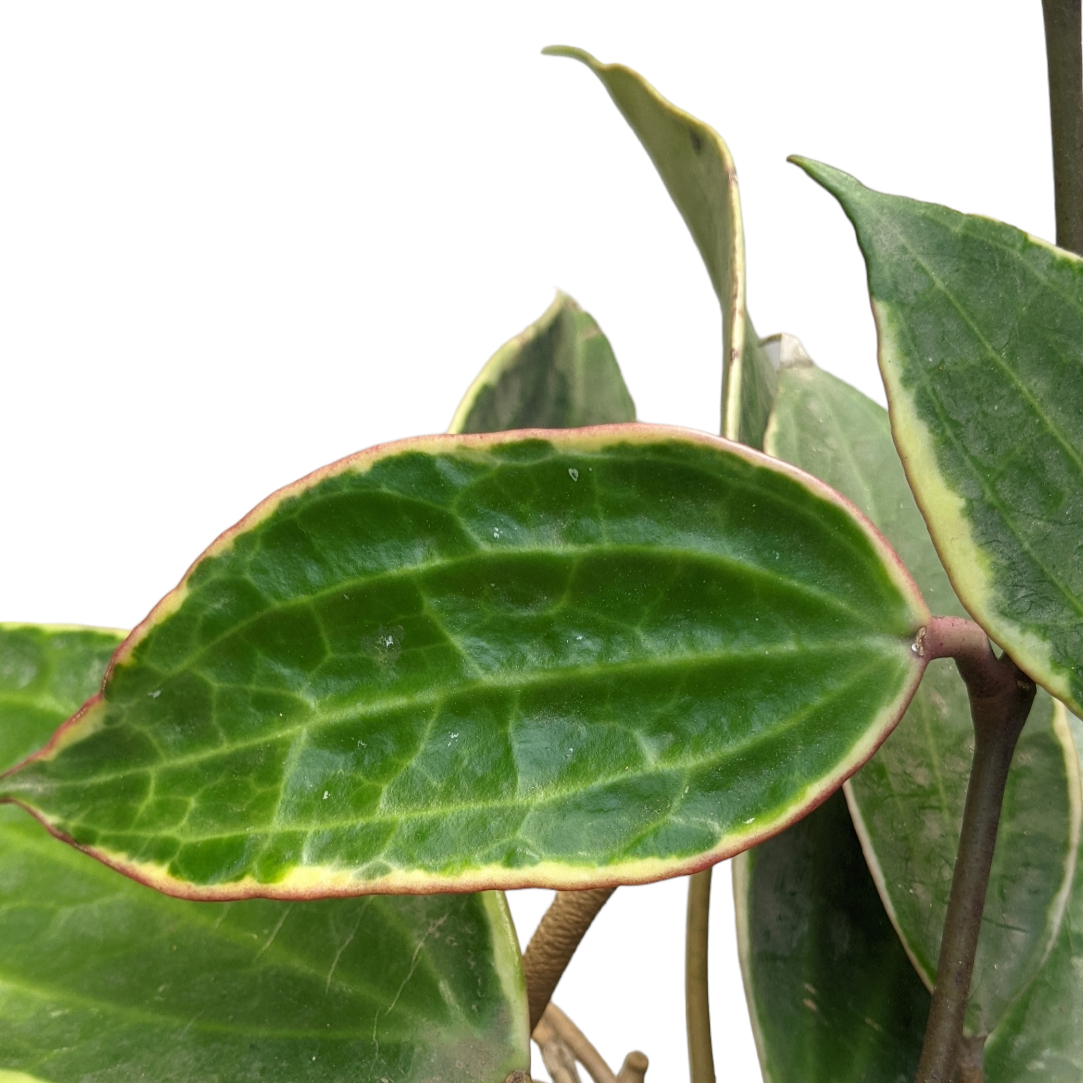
[698,171]
[560,373]
[1040,1040]
[908,800]
[103,978]
[463,662]
[981,350]
[46,672]
[831,992]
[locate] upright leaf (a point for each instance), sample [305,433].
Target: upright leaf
[560,373]
[103,978]
[981,350]
[461,662]
[698,171]
[46,671]
[832,996]
[908,800]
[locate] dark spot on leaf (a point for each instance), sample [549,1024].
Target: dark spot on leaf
[697,143]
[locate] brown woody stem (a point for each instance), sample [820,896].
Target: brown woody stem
[634,1068]
[554,942]
[555,1027]
[1000,699]
[577,1042]
[1064,58]
[556,1054]
[696,1000]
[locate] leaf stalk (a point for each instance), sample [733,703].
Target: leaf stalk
[555,1027]
[696,998]
[1064,58]
[554,942]
[1000,700]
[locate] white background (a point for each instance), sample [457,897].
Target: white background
[238,241]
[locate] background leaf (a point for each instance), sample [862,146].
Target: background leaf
[488,661]
[102,977]
[1040,1038]
[698,171]
[832,994]
[908,800]
[560,373]
[981,349]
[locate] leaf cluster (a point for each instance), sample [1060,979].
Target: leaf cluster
[555,647]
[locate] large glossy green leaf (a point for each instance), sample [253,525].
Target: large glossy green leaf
[609,655]
[908,800]
[1040,1040]
[698,171]
[560,373]
[103,978]
[832,995]
[981,350]
[45,674]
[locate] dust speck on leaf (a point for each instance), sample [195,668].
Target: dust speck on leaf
[573,473]
[385,645]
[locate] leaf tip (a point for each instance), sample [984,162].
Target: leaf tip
[572,53]
[827,176]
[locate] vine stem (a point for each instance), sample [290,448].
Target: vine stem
[1000,699]
[1064,59]
[555,1023]
[696,1000]
[556,1026]
[554,942]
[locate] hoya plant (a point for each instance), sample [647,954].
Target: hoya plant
[270,828]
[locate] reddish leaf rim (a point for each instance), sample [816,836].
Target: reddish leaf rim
[560,876]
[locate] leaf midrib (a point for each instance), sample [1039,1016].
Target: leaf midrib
[539,678]
[793,720]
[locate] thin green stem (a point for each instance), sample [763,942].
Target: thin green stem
[1064,58]
[1000,699]
[696,998]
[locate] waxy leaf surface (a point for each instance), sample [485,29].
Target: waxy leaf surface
[560,373]
[908,800]
[698,171]
[103,978]
[832,995]
[601,656]
[981,348]
[1040,1039]
[46,672]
